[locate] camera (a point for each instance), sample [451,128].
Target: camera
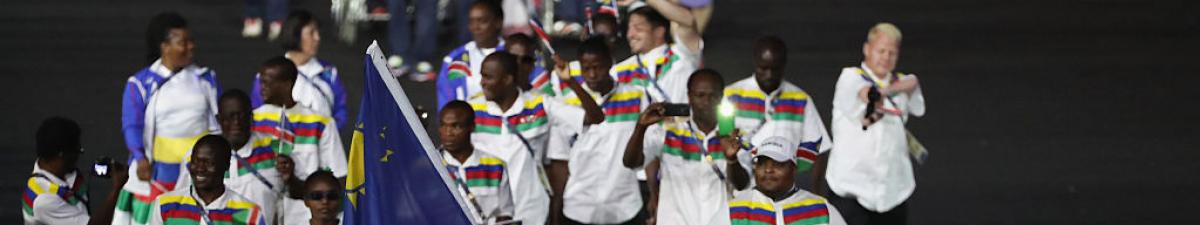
[873,96]
[104,166]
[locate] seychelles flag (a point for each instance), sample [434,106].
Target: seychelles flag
[395,174]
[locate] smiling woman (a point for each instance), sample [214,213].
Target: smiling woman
[166,107]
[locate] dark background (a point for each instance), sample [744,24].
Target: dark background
[1040,112]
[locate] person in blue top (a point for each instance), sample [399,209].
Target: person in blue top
[165,108]
[460,74]
[318,87]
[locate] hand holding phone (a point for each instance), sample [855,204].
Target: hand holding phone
[676,109]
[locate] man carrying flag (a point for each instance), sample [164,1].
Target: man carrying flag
[394,168]
[481,177]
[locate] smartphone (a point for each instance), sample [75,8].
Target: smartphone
[675,109]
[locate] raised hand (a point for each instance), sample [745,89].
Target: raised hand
[730,145]
[652,115]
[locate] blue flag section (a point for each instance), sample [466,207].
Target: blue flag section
[395,174]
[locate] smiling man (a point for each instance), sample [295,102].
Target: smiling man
[206,201]
[776,199]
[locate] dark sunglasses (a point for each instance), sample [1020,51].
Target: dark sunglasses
[317,196]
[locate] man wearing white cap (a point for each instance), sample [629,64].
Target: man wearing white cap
[776,199]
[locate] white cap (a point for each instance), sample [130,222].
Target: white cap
[635,5]
[779,148]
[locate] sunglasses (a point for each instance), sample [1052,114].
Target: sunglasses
[322,195]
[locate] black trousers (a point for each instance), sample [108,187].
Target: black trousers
[855,214]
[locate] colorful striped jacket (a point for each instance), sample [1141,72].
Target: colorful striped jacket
[47,199]
[459,77]
[518,136]
[324,85]
[487,185]
[311,139]
[788,111]
[163,131]
[181,207]
[752,207]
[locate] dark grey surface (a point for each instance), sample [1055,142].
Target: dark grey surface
[1040,112]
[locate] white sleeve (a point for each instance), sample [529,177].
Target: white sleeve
[652,145]
[506,206]
[51,209]
[213,95]
[693,55]
[835,217]
[155,217]
[565,122]
[529,193]
[332,154]
[814,128]
[916,101]
[846,104]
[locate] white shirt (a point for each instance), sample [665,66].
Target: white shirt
[669,85]
[312,92]
[600,189]
[486,178]
[258,154]
[179,113]
[493,134]
[871,165]
[691,191]
[559,88]
[43,203]
[320,148]
[788,111]
[753,207]
[240,209]
[316,146]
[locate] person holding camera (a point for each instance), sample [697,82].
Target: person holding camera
[55,192]
[693,188]
[870,175]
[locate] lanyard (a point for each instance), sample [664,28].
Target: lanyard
[704,151]
[203,208]
[462,184]
[653,78]
[253,170]
[881,84]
